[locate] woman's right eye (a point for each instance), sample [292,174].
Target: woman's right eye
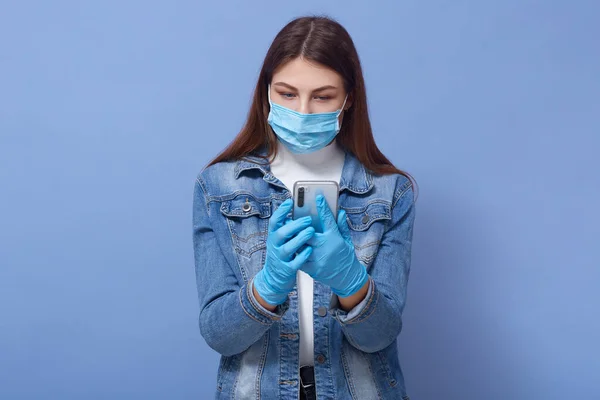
[288,95]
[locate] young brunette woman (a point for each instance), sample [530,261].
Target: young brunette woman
[295,313]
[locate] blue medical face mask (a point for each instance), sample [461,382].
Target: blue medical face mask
[303,133]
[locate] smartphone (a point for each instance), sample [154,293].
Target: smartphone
[305,204]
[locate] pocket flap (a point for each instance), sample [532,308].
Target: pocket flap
[360,219]
[243,206]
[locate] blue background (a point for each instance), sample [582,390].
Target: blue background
[108,110]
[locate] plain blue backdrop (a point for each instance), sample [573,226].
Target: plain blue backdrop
[108,110]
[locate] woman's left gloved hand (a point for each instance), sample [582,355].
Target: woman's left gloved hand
[333,260]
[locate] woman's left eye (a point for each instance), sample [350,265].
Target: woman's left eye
[323,97]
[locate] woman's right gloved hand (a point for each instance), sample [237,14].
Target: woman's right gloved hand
[285,238]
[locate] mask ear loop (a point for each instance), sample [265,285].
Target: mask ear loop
[337,121]
[269,95]
[270,109]
[342,109]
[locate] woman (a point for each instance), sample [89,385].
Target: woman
[295,313]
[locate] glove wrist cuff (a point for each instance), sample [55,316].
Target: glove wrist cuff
[264,289]
[361,278]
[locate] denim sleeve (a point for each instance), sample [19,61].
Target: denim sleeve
[374,323]
[230,319]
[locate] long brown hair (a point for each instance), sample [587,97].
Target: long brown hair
[324,41]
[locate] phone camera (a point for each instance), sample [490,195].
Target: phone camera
[300,197]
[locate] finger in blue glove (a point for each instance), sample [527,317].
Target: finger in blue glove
[333,260]
[278,275]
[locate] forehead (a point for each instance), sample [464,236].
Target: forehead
[306,75]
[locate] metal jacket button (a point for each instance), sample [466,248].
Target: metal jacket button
[246,207]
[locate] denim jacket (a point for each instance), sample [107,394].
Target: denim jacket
[356,351]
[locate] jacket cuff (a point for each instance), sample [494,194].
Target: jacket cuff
[255,310]
[360,312]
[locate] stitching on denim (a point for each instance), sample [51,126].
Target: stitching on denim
[205,192]
[347,371]
[344,184]
[248,166]
[221,372]
[349,337]
[401,192]
[364,318]
[263,254]
[327,344]
[367,361]
[386,367]
[356,210]
[262,209]
[256,307]
[372,220]
[252,197]
[251,300]
[375,297]
[293,382]
[281,364]
[234,386]
[291,336]
[248,253]
[367,260]
[243,214]
[245,239]
[242,270]
[261,364]
[368,244]
[260,245]
[247,313]
[371,282]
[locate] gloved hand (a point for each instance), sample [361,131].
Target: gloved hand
[333,260]
[277,277]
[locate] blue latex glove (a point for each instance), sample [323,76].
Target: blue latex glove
[333,260]
[278,276]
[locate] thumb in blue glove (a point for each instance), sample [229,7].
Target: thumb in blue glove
[333,260]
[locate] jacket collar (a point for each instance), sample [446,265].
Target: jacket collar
[355,177]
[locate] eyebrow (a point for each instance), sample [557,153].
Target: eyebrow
[320,89]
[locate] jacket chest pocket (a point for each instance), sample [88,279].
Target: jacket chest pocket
[248,221]
[367,225]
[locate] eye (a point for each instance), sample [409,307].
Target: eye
[323,98]
[287,95]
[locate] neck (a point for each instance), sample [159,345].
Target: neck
[309,160]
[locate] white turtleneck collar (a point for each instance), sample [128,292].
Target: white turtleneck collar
[324,164]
